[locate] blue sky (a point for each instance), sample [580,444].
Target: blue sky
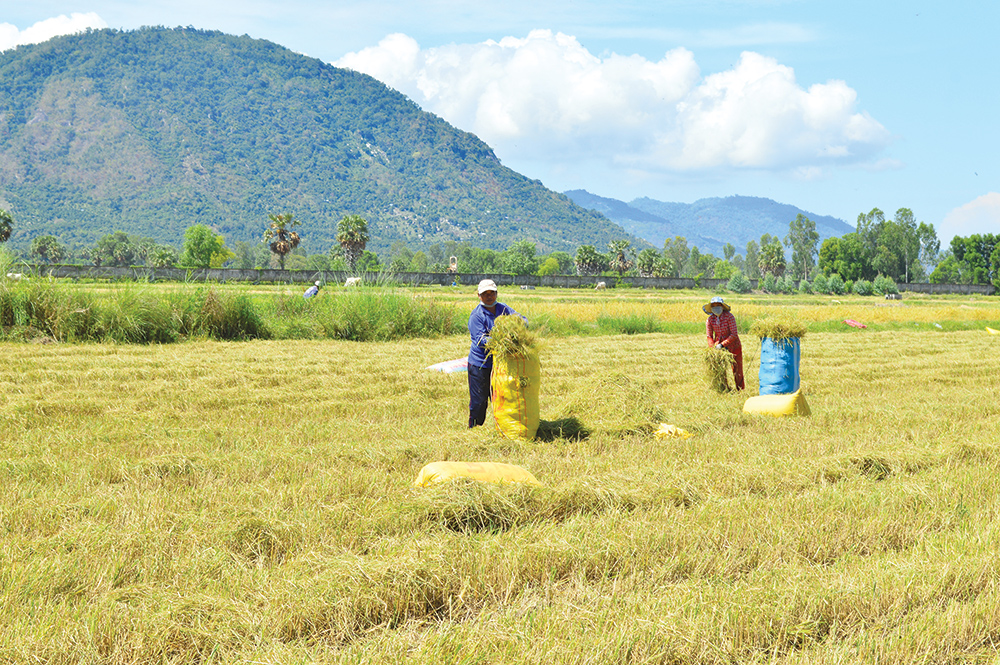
[835,107]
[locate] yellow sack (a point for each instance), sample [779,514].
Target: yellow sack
[992,331]
[788,404]
[486,472]
[671,431]
[514,386]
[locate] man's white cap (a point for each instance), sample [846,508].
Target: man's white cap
[316,282]
[487,285]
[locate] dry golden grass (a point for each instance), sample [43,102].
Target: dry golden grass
[252,502]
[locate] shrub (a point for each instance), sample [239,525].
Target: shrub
[835,285]
[819,284]
[848,286]
[883,285]
[768,284]
[738,283]
[805,287]
[863,287]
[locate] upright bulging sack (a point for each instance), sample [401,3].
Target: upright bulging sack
[779,365]
[515,384]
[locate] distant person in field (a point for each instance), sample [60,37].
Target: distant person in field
[311,291]
[721,332]
[480,361]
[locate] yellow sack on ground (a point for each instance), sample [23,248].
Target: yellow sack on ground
[514,385]
[486,472]
[778,405]
[992,331]
[671,431]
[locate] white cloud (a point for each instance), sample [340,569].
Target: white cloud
[10,36]
[981,215]
[546,97]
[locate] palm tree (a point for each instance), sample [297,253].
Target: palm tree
[352,234]
[282,240]
[619,251]
[6,225]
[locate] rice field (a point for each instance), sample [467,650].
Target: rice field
[235,502]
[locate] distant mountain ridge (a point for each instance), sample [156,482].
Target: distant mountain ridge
[154,130]
[707,223]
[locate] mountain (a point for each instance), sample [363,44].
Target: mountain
[707,223]
[154,130]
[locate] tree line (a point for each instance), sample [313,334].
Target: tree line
[900,249]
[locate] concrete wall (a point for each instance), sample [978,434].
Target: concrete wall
[304,277]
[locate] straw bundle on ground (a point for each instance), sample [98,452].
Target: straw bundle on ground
[617,404]
[717,364]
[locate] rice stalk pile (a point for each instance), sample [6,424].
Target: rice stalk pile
[616,404]
[510,338]
[777,329]
[717,364]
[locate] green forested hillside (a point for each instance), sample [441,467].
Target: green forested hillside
[154,130]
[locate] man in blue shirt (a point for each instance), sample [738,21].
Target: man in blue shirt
[311,291]
[480,361]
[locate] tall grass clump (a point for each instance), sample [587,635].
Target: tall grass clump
[134,315]
[377,314]
[228,316]
[629,324]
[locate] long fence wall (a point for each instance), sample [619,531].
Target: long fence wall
[256,276]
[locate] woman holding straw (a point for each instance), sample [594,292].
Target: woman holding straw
[721,332]
[480,361]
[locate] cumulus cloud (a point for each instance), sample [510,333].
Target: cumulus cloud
[10,36]
[981,215]
[547,97]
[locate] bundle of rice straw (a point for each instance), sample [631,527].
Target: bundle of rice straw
[510,338]
[777,329]
[717,364]
[616,404]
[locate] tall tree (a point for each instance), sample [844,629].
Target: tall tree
[753,256]
[279,236]
[677,249]
[619,252]
[6,225]
[589,261]
[772,259]
[48,248]
[352,234]
[930,246]
[201,244]
[844,256]
[802,238]
[116,249]
[519,258]
[728,251]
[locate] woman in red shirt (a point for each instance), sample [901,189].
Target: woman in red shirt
[721,332]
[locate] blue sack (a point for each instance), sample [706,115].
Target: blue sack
[779,366]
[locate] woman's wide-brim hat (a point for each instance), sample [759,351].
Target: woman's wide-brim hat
[714,301]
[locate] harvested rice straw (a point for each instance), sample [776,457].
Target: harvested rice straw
[717,364]
[510,338]
[777,329]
